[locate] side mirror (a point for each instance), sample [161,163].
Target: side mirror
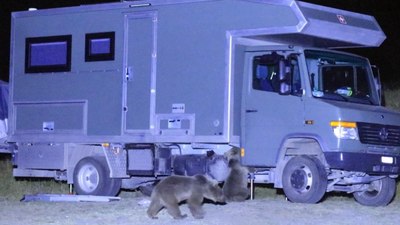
[378,84]
[285,72]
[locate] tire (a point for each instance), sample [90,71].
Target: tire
[380,193]
[304,180]
[91,177]
[114,187]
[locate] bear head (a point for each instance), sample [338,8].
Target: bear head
[211,189]
[233,153]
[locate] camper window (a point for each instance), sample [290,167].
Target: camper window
[48,54]
[99,46]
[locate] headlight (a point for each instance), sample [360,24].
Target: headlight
[345,130]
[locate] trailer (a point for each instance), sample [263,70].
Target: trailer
[118,95]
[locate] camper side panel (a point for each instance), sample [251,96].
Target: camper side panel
[194,67]
[56,87]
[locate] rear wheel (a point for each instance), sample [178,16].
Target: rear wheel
[379,193]
[91,177]
[114,187]
[304,180]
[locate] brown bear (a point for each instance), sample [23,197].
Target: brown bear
[235,186]
[172,190]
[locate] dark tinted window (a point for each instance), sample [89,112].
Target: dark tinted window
[48,54]
[99,46]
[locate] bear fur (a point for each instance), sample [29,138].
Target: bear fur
[235,186]
[172,190]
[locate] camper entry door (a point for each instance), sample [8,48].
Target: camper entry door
[139,72]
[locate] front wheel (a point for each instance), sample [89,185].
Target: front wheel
[91,177]
[379,193]
[304,180]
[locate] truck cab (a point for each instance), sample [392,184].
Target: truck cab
[328,124]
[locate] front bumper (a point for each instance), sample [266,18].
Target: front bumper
[363,162]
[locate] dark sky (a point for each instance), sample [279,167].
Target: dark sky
[386,12]
[22,5]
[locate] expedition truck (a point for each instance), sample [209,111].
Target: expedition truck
[118,95]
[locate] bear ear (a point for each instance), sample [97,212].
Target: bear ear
[235,151]
[231,152]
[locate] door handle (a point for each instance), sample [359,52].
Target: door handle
[128,73]
[251,110]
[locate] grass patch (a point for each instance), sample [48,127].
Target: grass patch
[267,191]
[392,97]
[15,188]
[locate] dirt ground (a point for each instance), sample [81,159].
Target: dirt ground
[131,209]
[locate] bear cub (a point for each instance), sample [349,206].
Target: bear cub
[172,190]
[235,187]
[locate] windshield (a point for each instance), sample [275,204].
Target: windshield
[340,77]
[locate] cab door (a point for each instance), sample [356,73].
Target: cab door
[268,117]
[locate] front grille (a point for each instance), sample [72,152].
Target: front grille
[379,134]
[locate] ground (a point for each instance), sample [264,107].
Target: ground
[131,209]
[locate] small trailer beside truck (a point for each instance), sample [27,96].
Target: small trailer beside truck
[117,95]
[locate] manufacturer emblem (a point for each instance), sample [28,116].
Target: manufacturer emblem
[383,134]
[341,19]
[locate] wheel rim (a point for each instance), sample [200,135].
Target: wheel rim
[301,179]
[88,178]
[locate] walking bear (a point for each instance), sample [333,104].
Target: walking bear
[172,190]
[235,187]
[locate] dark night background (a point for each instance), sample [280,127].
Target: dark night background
[386,13]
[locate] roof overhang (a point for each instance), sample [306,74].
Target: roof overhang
[322,27]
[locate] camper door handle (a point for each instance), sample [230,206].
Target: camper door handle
[251,110]
[128,73]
